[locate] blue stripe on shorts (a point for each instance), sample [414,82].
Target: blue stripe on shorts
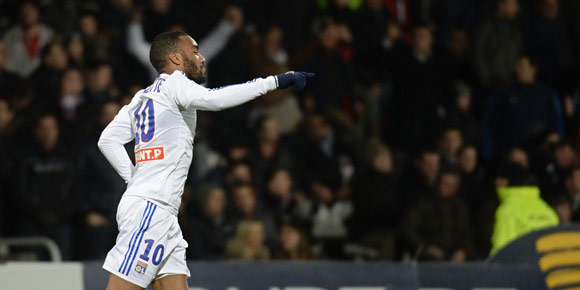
[140,237]
[132,241]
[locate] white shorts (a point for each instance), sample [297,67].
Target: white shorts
[149,245]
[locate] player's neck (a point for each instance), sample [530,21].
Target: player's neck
[169,70]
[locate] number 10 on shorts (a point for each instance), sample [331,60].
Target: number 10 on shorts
[157,254]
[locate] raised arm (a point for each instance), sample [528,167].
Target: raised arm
[138,46]
[212,44]
[112,143]
[216,40]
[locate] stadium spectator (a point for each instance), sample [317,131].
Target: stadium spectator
[283,199]
[344,12]
[391,45]
[59,15]
[542,154]
[79,113]
[75,51]
[211,45]
[328,156]
[450,142]
[572,191]
[520,112]
[444,15]
[46,79]
[25,40]
[45,193]
[329,213]
[268,53]
[97,46]
[26,110]
[293,244]
[237,173]
[267,152]
[100,83]
[9,82]
[72,85]
[437,228]
[328,161]
[521,209]
[548,40]
[562,207]
[459,49]
[115,16]
[377,203]
[248,242]
[472,176]
[332,67]
[563,159]
[474,191]
[374,72]
[503,35]
[461,114]
[102,192]
[425,65]
[519,156]
[401,11]
[422,177]
[207,227]
[161,16]
[368,26]
[247,208]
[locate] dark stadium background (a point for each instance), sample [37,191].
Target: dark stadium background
[390,153]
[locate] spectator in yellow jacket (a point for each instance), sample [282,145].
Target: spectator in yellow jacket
[521,208]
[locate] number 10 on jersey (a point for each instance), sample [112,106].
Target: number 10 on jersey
[145,116]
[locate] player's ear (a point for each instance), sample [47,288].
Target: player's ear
[175,58]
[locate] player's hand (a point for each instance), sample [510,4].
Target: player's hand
[235,15]
[298,79]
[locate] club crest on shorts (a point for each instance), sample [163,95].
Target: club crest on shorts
[141,267]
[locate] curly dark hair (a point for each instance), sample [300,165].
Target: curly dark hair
[164,44]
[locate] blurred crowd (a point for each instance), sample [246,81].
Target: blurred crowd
[419,111]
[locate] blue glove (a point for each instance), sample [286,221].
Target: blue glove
[298,79]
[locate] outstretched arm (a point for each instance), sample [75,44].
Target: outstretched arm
[218,99]
[118,133]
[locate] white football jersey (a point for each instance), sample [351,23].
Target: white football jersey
[161,120]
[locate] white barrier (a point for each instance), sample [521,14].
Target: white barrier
[41,276]
[44,242]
